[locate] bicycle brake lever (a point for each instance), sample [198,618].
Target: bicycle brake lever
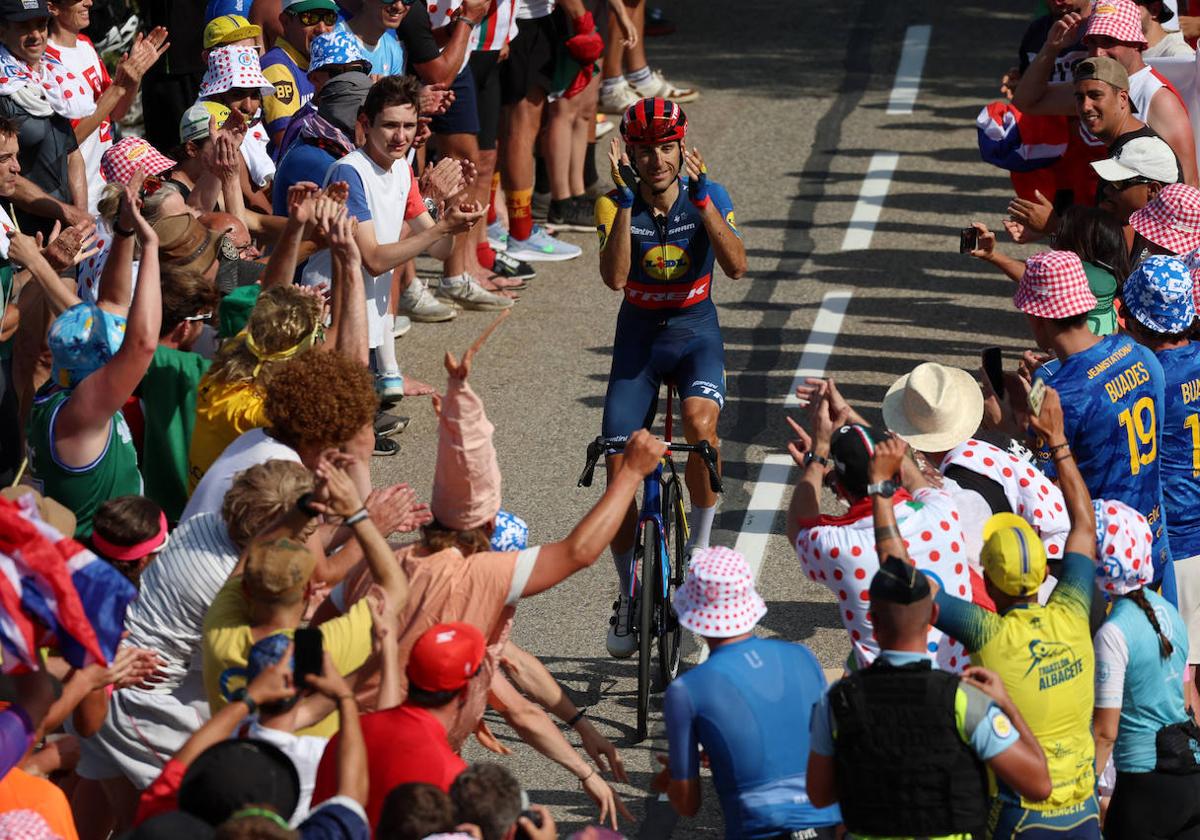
[710,462]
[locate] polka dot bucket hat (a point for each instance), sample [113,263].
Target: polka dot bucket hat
[718,598]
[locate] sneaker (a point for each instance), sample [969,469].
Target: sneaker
[470,295]
[622,641]
[387,425]
[616,100]
[506,266]
[603,125]
[385,446]
[657,85]
[419,304]
[401,324]
[497,235]
[389,385]
[572,214]
[542,246]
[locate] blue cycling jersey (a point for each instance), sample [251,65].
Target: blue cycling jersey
[749,706]
[1112,400]
[671,258]
[1181,448]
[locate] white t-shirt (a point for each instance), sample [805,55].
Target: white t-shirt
[840,554]
[176,591]
[379,197]
[248,450]
[531,9]
[83,60]
[305,751]
[258,159]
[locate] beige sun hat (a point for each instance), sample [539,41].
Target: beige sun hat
[934,408]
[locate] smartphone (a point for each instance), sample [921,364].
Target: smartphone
[968,240]
[1036,394]
[993,369]
[534,817]
[308,655]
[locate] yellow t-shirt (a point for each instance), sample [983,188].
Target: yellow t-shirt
[224,410]
[227,643]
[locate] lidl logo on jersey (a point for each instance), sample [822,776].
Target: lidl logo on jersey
[1056,663]
[666,262]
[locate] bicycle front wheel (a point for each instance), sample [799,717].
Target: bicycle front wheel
[647,595]
[670,634]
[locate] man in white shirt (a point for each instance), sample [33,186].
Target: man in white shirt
[74,50]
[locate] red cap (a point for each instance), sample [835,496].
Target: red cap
[446,657]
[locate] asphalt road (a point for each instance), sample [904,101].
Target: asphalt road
[793,115]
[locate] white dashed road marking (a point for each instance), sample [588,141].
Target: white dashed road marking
[908,74]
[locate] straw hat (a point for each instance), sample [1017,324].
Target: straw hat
[934,408]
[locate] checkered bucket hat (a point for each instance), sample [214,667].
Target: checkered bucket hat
[718,598]
[1159,295]
[1120,20]
[1054,285]
[118,163]
[1124,546]
[234,67]
[1172,219]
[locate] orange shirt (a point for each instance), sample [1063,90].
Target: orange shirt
[21,791]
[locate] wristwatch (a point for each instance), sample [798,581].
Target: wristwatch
[886,488]
[242,695]
[431,206]
[809,457]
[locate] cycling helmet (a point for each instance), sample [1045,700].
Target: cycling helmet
[653,120]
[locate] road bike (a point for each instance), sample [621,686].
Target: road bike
[659,560]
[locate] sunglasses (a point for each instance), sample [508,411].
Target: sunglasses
[1121,186]
[315,16]
[391,4]
[205,316]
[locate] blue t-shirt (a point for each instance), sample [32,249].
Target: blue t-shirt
[216,8]
[339,818]
[303,162]
[1112,401]
[1132,674]
[387,58]
[1181,448]
[749,706]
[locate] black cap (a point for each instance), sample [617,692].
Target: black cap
[230,775]
[851,448]
[899,582]
[173,825]
[14,11]
[1163,16]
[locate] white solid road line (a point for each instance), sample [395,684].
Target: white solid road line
[908,74]
[870,201]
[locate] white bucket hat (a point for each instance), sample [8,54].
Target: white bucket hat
[718,598]
[234,67]
[934,408]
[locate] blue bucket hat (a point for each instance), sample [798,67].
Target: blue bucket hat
[511,533]
[82,340]
[336,47]
[1159,295]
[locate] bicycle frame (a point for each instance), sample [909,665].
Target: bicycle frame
[651,510]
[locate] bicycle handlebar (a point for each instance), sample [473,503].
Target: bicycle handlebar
[601,445]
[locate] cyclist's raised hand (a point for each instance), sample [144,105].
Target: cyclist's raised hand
[623,176]
[643,452]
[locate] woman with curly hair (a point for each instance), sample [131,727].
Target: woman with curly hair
[230,401]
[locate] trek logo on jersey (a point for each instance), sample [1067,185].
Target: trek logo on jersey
[666,262]
[285,92]
[1055,662]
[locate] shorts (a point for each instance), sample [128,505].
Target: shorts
[531,56]
[1076,822]
[485,70]
[1150,806]
[687,349]
[821,832]
[462,116]
[1187,590]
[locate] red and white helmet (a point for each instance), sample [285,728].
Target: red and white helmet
[653,120]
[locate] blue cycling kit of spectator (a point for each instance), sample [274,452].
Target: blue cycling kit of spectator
[748,705]
[667,326]
[1113,409]
[1181,448]
[1132,675]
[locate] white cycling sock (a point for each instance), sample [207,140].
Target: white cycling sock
[608,85]
[700,521]
[637,77]
[623,561]
[385,353]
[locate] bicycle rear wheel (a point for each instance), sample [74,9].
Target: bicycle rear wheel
[670,634]
[647,595]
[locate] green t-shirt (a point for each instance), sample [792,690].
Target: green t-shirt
[1102,320]
[168,393]
[81,489]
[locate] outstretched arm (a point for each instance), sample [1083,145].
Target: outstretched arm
[1035,94]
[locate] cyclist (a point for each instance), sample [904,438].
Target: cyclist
[660,231]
